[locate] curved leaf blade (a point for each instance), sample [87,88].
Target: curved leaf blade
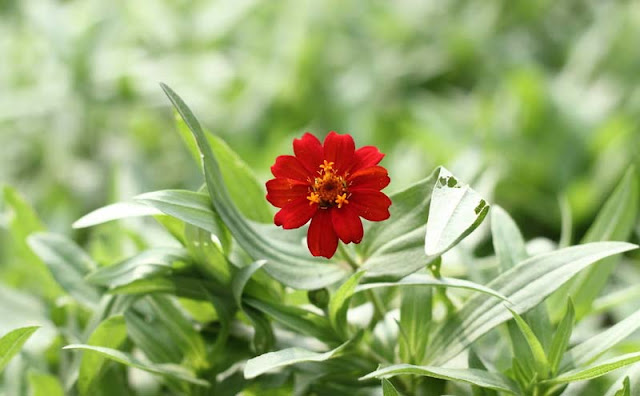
[597,369]
[116,211]
[12,342]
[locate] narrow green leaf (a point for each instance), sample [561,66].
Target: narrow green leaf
[539,357]
[42,384]
[111,333]
[508,242]
[116,211]
[626,388]
[181,286]
[12,342]
[415,323]
[481,378]
[242,277]
[68,264]
[208,254]
[339,304]
[566,229]
[588,351]
[290,264]
[428,280]
[456,210]
[614,222]
[297,319]
[287,357]
[561,337]
[150,263]
[165,370]
[191,207]
[596,370]
[525,285]
[388,389]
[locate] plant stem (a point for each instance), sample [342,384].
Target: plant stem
[347,257]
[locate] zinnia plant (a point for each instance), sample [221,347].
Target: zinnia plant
[426,302]
[333,185]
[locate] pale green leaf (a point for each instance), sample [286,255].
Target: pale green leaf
[166,370]
[596,370]
[508,242]
[68,264]
[116,211]
[242,277]
[456,210]
[589,350]
[12,342]
[150,263]
[428,280]
[415,322]
[481,378]
[525,285]
[287,357]
[540,361]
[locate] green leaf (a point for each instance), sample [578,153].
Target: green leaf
[614,222]
[165,370]
[150,263]
[242,277]
[395,248]
[525,285]
[116,211]
[626,388]
[561,337]
[539,357]
[287,357]
[415,323]
[208,254]
[589,350]
[12,342]
[456,210]
[428,280]
[596,370]
[291,264]
[181,286]
[339,304]
[111,333]
[68,264]
[191,207]
[41,384]
[481,378]
[508,242]
[297,319]
[388,389]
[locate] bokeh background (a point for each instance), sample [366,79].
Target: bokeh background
[540,98]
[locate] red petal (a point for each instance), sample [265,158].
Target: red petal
[366,156]
[280,192]
[321,238]
[347,224]
[289,167]
[309,152]
[370,204]
[371,178]
[295,214]
[339,149]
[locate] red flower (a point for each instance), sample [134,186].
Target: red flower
[333,186]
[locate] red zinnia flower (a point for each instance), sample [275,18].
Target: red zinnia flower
[333,186]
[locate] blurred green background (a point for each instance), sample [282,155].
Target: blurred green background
[540,98]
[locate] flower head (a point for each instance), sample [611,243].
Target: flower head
[333,185]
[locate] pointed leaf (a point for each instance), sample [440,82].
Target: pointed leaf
[388,389]
[242,277]
[339,304]
[561,337]
[41,384]
[287,357]
[415,322]
[508,242]
[537,351]
[116,211]
[596,370]
[165,370]
[481,378]
[12,342]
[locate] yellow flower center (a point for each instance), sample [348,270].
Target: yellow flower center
[328,189]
